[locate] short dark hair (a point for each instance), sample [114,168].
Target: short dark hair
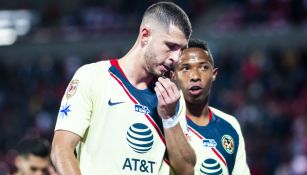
[197,43]
[36,146]
[169,13]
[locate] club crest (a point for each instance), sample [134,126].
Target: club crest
[228,144]
[72,88]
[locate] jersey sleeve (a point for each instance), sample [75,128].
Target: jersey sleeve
[240,167]
[182,114]
[76,106]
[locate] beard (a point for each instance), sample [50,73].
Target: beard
[150,61]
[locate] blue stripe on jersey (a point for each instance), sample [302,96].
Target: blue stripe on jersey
[216,129]
[145,97]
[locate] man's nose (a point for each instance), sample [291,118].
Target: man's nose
[194,75]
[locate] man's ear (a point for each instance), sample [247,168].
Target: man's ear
[145,35]
[214,74]
[18,161]
[172,75]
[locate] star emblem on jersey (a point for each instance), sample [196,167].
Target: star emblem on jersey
[140,138]
[211,166]
[72,88]
[65,109]
[228,143]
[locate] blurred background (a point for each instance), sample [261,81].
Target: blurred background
[259,46]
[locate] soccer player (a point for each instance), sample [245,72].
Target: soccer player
[215,136]
[33,157]
[121,115]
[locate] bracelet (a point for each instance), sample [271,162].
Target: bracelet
[170,122]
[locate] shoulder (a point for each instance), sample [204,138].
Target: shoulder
[227,117]
[93,67]
[92,70]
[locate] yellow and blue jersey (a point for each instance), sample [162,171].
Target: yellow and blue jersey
[120,130]
[219,146]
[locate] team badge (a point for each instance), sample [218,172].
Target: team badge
[228,143]
[72,88]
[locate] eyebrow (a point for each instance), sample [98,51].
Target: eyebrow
[34,168]
[176,44]
[202,62]
[206,62]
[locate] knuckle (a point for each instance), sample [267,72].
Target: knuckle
[167,86]
[163,91]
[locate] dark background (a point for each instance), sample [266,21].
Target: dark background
[259,46]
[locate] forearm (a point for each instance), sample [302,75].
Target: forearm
[181,154]
[62,152]
[64,161]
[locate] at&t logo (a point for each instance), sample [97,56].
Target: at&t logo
[140,138]
[211,166]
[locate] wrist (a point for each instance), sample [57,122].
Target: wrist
[170,122]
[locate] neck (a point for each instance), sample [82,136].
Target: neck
[198,112]
[133,65]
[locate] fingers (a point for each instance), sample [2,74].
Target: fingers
[168,96]
[170,87]
[166,91]
[160,96]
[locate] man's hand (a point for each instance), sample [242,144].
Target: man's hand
[168,97]
[181,155]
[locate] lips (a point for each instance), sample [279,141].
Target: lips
[195,90]
[166,67]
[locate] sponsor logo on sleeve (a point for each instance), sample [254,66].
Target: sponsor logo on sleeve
[72,88]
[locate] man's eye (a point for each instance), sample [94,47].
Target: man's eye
[185,68]
[173,46]
[205,67]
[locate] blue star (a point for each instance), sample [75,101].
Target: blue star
[65,110]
